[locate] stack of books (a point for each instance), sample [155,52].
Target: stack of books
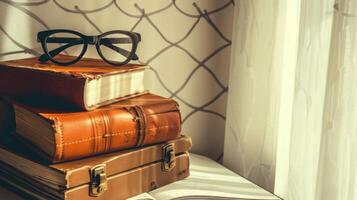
[86,131]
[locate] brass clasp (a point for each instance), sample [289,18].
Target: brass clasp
[99,183]
[169,157]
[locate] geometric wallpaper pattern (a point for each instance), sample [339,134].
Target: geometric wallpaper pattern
[185,43]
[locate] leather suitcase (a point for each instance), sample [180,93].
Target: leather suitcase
[111,176]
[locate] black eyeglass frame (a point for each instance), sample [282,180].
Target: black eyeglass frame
[98,40]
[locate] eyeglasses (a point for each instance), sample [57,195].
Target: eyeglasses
[114,47]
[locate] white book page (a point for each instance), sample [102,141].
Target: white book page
[210,180]
[143,196]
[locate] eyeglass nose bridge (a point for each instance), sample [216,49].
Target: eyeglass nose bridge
[92,39]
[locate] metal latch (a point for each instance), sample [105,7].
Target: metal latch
[98,184]
[168,156]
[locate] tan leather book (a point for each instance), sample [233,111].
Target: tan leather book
[88,84]
[63,134]
[113,176]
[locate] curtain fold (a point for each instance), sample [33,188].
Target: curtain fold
[316,20]
[337,172]
[250,142]
[291,112]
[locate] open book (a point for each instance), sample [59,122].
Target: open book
[209,180]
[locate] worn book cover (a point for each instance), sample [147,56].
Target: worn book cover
[87,84]
[116,176]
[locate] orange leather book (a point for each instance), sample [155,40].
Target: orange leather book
[63,134]
[88,84]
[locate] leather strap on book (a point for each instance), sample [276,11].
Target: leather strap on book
[142,123]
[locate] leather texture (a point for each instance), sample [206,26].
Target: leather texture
[139,121]
[63,83]
[125,185]
[118,162]
[129,173]
[120,186]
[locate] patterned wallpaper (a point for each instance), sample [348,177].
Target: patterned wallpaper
[186,44]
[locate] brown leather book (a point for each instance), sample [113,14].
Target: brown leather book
[113,176]
[63,134]
[88,84]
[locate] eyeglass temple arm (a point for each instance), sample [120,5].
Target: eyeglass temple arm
[110,41]
[74,41]
[120,50]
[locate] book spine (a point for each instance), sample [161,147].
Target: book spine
[102,131]
[22,81]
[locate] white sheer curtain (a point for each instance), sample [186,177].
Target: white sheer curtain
[292,102]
